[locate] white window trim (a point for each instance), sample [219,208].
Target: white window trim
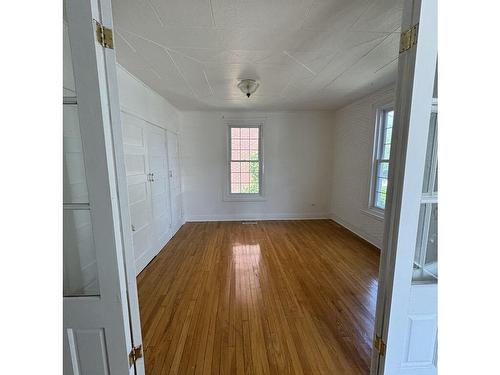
[377,118]
[244,197]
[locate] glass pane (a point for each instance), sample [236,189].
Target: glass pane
[430,175]
[235,132]
[386,151]
[381,185]
[254,178]
[254,133]
[388,136]
[245,167]
[254,144]
[235,188]
[235,166]
[389,118]
[245,144]
[79,256]
[379,200]
[74,180]
[383,169]
[426,254]
[68,76]
[235,178]
[235,144]
[235,155]
[245,132]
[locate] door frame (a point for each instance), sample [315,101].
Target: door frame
[122,195]
[409,145]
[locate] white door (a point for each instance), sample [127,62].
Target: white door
[145,148]
[175,181]
[100,318]
[160,197]
[406,319]
[139,188]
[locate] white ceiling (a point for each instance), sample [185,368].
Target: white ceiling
[306,54]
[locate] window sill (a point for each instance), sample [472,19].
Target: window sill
[376,214]
[242,198]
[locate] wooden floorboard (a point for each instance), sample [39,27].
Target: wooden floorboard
[278,297]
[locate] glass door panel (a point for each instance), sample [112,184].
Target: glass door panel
[79,258]
[425,268]
[80,277]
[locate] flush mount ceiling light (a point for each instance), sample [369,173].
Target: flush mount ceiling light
[248,86]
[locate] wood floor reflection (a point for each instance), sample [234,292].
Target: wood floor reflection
[279,297]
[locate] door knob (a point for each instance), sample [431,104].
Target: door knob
[133,228]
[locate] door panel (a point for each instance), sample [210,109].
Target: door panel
[160,199]
[97,333]
[87,350]
[175,181]
[139,187]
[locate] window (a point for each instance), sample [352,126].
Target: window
[245,161]
[383,134]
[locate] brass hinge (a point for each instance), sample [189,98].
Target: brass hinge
[379,344]
[408,39]
[104,35]
[134,355]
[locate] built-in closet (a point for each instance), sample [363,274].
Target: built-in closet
[152,167]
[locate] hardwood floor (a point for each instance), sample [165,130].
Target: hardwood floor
[279,297]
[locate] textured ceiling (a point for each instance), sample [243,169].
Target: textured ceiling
[306,54]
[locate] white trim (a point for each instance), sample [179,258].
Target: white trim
[145,259]
[148,255]
[244,198]
[357,231]
[374,213]
[378,109]
[129,112]
[244,122]
[258,217]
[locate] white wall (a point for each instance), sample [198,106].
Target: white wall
[141,101]
[352,150]
[297,149]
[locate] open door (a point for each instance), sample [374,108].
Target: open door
[405,339]
[101,327]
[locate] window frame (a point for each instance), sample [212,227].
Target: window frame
[244,197]
[376,160]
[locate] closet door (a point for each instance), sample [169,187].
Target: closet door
[139,187]
[175,181]
[160,198]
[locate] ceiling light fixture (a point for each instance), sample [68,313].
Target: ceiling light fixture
[248,86]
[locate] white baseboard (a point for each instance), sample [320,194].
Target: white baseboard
[257,217]
[147,256]
[357,231]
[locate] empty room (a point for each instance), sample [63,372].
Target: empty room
[250,187]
